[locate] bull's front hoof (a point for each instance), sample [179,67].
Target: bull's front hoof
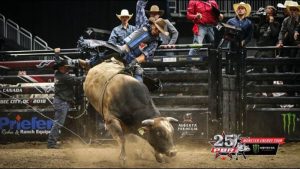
[159,157]
[171,153]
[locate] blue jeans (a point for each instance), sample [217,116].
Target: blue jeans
[61,108]
[203,31]
[138,73]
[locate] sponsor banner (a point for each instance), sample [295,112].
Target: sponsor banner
[290,123]
[44,78]
[31,101]
[192,125]
[21,126]
[27,64]
[260,140]
[28,90]
[287,124]
[263,149]
[233,146]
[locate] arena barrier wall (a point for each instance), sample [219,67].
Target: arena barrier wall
[222,92]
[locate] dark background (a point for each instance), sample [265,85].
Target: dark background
[61,22]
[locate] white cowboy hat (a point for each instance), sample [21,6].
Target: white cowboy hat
[243,4]
[286,3]
[293,4]
[124,12]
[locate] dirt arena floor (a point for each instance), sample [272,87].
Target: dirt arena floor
[105,155]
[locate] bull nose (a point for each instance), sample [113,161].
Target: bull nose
[172,153]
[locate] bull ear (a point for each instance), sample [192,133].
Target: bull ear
[148,122]
[171,119]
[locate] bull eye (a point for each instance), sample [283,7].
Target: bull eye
[158,133]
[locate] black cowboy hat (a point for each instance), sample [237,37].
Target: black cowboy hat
[60,63]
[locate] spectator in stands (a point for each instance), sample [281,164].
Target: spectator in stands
[119,33]
[297,39]
[283,7]
[266,33]
[205,15]
[63,97]
[167,41]
[242,11]
[287,33]
[288,37]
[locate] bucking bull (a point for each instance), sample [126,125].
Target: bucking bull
[126,107]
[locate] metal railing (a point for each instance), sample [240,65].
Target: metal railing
[2,25]
[40,44]
[226,6]
[11,30]
[25,38]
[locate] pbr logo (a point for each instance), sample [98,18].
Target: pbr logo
[232,144]
[228,145]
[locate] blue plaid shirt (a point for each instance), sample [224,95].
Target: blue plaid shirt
[151,43]
[119,33]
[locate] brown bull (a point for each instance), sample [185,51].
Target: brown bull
[126,107]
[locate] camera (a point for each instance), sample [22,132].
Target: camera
[261,12]
[230,32]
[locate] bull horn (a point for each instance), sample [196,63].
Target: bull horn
[148,122]
[171,119]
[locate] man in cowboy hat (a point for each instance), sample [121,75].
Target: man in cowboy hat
[288,36]
[287,33]
[242,11]
[283,6]
[132,52]
[63,96]
[167,41]
[119,33]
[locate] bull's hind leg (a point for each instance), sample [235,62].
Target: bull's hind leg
[115,129]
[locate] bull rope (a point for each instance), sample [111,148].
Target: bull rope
[71,131]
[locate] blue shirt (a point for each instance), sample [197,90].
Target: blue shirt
[246,26]
[119,33]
